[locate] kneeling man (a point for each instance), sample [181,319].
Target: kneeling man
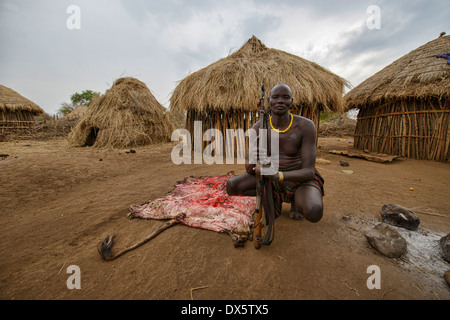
[297,181]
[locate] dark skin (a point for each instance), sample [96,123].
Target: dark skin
[297,145]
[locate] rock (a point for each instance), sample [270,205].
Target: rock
[344,163]
[444,243]
[447,277]
[399,216]
[322,161]
[386,240]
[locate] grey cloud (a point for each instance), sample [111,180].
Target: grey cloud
[167,11]
[321,8]
[259,25]
[399,26]
[39,54]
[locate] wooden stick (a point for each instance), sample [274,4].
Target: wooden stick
[199,288]
[106,245]
[62,268]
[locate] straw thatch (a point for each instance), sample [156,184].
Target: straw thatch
[224,95]
[48,127]
[418,74]
[127,115]
[404,108]
[16,112]
[76,114]
[234,81]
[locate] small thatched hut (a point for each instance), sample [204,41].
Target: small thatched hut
[16,112]
[127,115]
[224,95]
[76,114]
[404,108]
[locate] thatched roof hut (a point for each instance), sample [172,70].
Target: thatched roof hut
[404,108]
[127,115]
[224,95]
[76,114]
[16,112]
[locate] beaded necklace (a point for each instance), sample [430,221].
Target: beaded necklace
[284,131]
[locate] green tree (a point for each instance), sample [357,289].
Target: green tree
[78,99]
[84,98]
[65,108]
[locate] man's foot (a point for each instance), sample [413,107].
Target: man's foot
[293,214]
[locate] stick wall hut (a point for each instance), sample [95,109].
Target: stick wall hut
[127,115]
[404,108]
[16,112]
[225,94]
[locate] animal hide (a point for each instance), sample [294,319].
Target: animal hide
[203,203]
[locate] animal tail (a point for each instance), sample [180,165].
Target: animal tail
[105,248]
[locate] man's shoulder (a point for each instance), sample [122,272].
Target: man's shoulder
[257,125]
[304,121]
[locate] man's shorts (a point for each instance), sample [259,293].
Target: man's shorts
[283,191]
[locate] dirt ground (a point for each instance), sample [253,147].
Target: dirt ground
[59,203]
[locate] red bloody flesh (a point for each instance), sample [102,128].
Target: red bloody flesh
[202,203]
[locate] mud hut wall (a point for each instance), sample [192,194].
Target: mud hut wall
[412,128]
[15,121]
[233,119]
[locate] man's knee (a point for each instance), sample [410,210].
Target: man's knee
[232,187]
[243,185]
[313,212]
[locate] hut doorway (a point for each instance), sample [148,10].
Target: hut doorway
[92,137]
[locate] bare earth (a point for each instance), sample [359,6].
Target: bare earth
[59,203]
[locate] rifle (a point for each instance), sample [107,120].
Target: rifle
[264,197]
[260,178]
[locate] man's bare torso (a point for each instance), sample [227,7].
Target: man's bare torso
[290,143]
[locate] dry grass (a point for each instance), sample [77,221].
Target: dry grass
[418,74]
[16,113]
[404,108]
[45,128]
[55,128]
[11,101]
[234,82]
[127,115]
[342,126]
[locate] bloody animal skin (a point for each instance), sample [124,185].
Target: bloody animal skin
[203,203]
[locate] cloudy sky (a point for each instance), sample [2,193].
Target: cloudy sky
[48,51]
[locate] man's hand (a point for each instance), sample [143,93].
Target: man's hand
[274,177]
[250,168]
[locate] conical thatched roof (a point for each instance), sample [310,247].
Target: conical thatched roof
[418,74]
[235,81]
[12,101]
[77,113]
[127,115]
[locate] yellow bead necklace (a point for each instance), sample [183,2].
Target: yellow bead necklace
[284,131]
